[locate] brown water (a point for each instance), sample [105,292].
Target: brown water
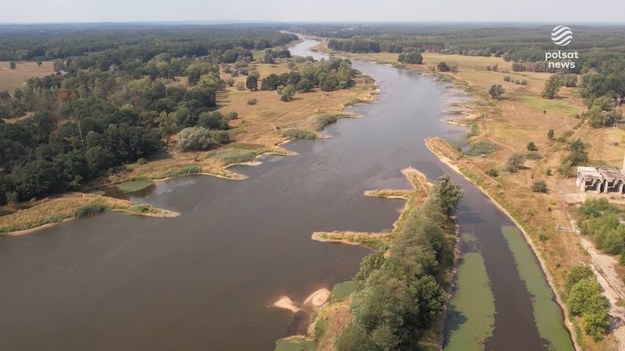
[204,280]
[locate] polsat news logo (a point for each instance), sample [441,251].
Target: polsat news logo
[561,36]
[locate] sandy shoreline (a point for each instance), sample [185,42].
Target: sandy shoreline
[314,301]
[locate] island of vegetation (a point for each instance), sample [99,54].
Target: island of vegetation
[160,103]
[397,299]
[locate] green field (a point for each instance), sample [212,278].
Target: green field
[547,313]
[472,319]
[342,290]
[555,105]
[295,343]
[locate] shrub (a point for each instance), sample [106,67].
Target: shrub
[298,134]
[481,148]
[515,162]
[175,172]
[443,66]
[540,187]
[195,139]
[531,146]
[493,172]
[252,101]
[231,156]
[89,209]
[507,78]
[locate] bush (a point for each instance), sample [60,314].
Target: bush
[90,209]
[195,139]
[531,146]
[443,66]
[298,134]
[507,78]
[252,101]
[493,172]
[540,187]
[515,162]
[176,172]
[481,148]
[231,156]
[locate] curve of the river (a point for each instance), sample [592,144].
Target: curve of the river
[205,280]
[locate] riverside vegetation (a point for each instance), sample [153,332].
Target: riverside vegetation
[528,137]
[396,300]
[156,107]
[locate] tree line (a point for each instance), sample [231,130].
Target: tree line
[400,295]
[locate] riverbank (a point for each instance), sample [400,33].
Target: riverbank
[261,129]
[443,151]
[52,211]
[509,124]
[336,315]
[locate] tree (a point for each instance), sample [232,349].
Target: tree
[288,93]
[447,195]
[531,146]
[552,86]
[515,162]
[12,65]
[495,91]
[305,85]
[581,297]
[443,66]
[596,323]
[168,125]
[195,139]
[551,134]
[577,274]
[413,57]
[251,82]
[271,82]
[578,155]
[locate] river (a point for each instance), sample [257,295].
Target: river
[205,280]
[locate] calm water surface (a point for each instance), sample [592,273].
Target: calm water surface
[205,280]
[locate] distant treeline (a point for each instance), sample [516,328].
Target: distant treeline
[48,42]
[522,43]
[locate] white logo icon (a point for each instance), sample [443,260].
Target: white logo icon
[561,35]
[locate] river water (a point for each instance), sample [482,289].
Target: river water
[205,280]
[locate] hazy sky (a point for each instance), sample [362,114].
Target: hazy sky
[551,11]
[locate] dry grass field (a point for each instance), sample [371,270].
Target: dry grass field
[15,78]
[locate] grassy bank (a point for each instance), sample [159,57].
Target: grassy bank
[70,206]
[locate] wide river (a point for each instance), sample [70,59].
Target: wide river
[206,280]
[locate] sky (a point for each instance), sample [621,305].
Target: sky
[549,11]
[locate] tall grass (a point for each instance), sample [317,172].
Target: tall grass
[231,156]
[325,121]
[298,134]
[36,223]
[176,172]
[90,209]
